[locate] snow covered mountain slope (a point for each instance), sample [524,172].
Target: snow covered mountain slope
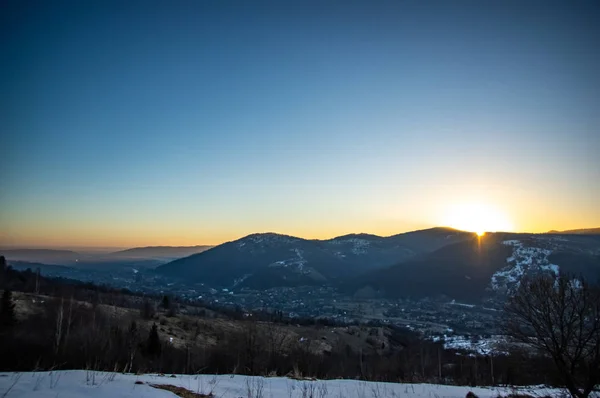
[80,383]
[491,265]
[547,254]
[523,261]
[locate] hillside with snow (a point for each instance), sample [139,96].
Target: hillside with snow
[492,265]
[551,255]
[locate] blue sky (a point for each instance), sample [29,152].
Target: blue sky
[199,122]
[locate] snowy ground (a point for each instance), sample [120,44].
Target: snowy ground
[481,346]
[524,260]
[81,383]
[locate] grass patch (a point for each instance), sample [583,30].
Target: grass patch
[180,391]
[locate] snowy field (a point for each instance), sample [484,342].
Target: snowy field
[81,383]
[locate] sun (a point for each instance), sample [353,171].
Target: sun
[477,217]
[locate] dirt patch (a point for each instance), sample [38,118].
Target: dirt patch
[180,391]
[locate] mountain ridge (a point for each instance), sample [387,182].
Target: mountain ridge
[432,262]
[489,266]
[160,251]
[263,260]
[580,231]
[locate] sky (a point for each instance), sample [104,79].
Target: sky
[180,123]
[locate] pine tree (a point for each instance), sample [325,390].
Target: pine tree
[147,311]
[153,347]
[8,318]
[166,302]
[169,306]
[3,269]
[133,329]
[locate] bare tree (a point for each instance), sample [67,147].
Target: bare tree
[69,321]
[251,346]
[133,340]
[58,331]
[276,338]
[560,317]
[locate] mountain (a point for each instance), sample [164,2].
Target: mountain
[44,268]
[584,231]
[483,267]
[46,256]
[268,259]
[139,257]
[167,253]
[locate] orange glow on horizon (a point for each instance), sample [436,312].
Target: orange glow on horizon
[477,218]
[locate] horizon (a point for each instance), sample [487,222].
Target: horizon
[92,249]
[197,124]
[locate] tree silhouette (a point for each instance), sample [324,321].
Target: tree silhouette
[3,269]
[166,302]
[561,319]
[147,311]
[153,347]
[8,318]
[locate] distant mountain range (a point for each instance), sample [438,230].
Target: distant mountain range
[585,231]
[46,256]
[142,257]
[267,260]
[160,252]
[432,262]
[425,263]
[47,268]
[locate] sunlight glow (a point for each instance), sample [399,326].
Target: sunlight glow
[477,217]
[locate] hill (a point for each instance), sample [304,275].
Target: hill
[583,231]
[46,256]
[159,252]
[44,268]
[268,259]
[473,269]
[138,257]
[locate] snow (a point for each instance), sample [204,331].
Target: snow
[81,383]
[481,346]
[359,246]
[301,261]
[339,255]
[260,241]
[551,268]
[298,261]
[240,280]
[453,302]
[524,260]
[576,283]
